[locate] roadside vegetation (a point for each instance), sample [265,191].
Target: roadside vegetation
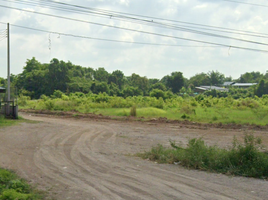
[9,122]
[243,159]
[14,188]
[63,86]
[200,108]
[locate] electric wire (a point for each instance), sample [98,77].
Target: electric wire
[145,32]
[252,4]
[103,39]
[113,14]
[140,21]
[86,37]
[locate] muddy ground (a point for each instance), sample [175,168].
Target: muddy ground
[92,158]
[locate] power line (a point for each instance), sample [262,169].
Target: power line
[103,39]
[145,32]
[132,17]
[253,4]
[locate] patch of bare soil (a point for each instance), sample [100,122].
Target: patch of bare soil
[182,123]
[90,158]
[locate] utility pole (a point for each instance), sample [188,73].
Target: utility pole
[8,65]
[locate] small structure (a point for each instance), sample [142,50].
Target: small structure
[2,90]
[8,108]
[228,84]
[243,85]
[238,85]
[202,89]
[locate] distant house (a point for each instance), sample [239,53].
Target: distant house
[202,89]
[228,84]
[2,90]
[238,85]
[243,85]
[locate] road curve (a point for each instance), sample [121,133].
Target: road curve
[90,159]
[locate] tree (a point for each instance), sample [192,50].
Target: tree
[159,86]
[101,75]
[199,79]
[153,81]
[175,82]
[100,87]
[216,78]
[117,77]
[32,79]
[260,88]
[131,91]
[57,77]
[157,93]
[78,84]
[142,83]
[250,77]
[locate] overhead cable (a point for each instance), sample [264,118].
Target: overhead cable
[145,32]
[132,17]
[252,4]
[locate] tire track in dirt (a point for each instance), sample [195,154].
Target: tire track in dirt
[82,159]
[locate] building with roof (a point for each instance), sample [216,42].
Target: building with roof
[243,85]
[2,90]
[228,84]
[202,89]
[238,85]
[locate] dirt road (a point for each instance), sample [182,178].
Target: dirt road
[90,159]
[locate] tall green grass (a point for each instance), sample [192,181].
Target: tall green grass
[243,159]
[14,188]
[199,109]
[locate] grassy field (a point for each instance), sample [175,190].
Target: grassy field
[198,109]
[242,159]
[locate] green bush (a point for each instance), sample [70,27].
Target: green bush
[133,111]
[242,159]
[13,188]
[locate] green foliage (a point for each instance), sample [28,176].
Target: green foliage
[175,82]
[133,111]
[13,188]
[199,108]
[157,93]
[250,77]
[242,159]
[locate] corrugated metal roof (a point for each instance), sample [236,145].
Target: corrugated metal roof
[244,84]
[212,88]
[228,83]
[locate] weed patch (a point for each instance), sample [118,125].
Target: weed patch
[14,188]
[243,159]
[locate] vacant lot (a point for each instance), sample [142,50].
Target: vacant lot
[92,159]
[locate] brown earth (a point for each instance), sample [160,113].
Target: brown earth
[90,158]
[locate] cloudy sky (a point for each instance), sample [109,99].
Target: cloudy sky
[156,46]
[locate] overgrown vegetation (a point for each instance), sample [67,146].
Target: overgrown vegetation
[63,86]
[243,159]
[14,188]
[38,78]
[200,108]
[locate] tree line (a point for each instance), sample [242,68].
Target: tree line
[37,79]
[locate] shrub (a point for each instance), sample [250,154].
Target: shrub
[133,111]
[242,159]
